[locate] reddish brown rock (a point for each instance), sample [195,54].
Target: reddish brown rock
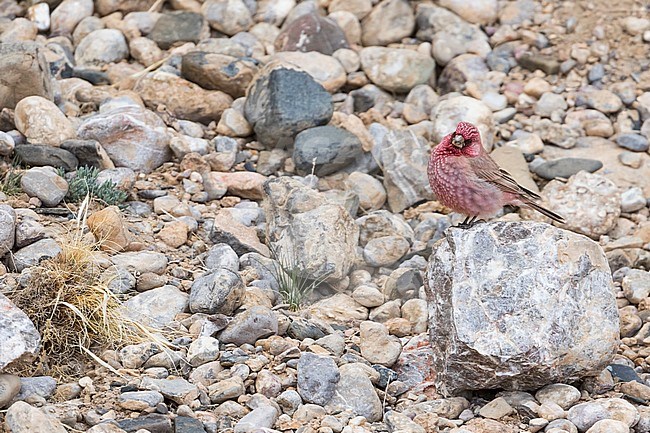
[219,72]
[312,32]
[109,229]
[184,99]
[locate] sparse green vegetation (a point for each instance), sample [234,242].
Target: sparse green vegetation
[85,183]
[10,179]
[10,182]
[294,283]
[73,308]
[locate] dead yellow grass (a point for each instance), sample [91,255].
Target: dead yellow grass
[73,309]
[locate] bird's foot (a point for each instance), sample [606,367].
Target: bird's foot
[468,223]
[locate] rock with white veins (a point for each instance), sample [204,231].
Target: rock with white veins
[590,203]
[19,338]
[132,136]
[497,322]
[404,159]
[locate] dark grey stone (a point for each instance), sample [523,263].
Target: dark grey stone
[566,167]
[633,142]
[386,376]
[220,291]
[302,328]
[88,152]
[39,155]
[186,424]
[284,102]
[330,147]
[624,373]
[177,27]
[317,378]
[369,96]
[596,73]
[154,423]
[43,386]
[249,326]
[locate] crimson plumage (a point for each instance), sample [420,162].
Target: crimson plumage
[466,179]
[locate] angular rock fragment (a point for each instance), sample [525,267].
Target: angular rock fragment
[517,306]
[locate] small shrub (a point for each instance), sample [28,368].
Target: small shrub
[294,283]
[73,308]
[10,179]
[85,183]
[10,183]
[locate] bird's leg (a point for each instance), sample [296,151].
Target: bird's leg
[474,221]
[465,224]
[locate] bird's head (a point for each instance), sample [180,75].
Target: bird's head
[465,139]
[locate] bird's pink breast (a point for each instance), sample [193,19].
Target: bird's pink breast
[458,188]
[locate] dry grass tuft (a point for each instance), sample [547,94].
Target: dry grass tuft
[73,309]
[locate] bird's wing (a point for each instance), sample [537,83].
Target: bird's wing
[486,169]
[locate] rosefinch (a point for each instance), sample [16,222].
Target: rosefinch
[466,180]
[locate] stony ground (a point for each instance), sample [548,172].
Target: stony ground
[248,135]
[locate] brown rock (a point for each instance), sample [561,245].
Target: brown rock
[312,32]
[219,72]
[636,390]
[245,184]
[110,229]
[41,121]
[349,24]
[233,123]
[105,7]
[182,98]
[389,21]
[174,234]
[194,162]
[360,8]
[242,239]
[24,72]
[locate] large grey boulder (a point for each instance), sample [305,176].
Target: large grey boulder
[517,306]
[306,229]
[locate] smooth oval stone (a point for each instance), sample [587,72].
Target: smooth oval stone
[566,167]
[633,142]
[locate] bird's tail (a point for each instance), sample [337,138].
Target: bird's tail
[549,213]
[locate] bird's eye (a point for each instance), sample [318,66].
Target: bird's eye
[458,141]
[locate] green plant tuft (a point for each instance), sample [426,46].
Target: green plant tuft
[85,183]
[10,182]
[295,286]
[10,179]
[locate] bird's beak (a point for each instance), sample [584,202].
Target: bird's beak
[458,141]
